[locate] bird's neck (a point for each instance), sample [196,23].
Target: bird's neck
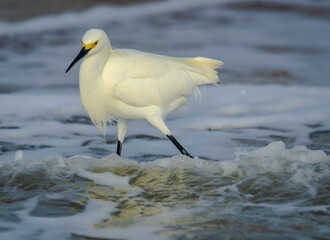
[91,85]
[90,75]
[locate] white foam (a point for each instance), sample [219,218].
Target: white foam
[105,178]
[275,157]
[19,155]
[59,227]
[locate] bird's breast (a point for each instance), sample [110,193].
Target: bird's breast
[92,96]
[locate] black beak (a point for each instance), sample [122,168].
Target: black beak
[83,52]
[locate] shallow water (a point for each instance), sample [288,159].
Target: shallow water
[272,192]
[262,136]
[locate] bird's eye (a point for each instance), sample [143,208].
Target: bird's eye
[96,42]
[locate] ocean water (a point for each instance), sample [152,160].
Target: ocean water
[261,138]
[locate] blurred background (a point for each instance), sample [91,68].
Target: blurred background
[292,37]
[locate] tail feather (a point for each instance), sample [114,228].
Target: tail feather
[204,69]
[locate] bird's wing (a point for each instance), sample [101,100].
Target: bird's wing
[149,79]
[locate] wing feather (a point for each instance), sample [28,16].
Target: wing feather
[142,79]
[152,80]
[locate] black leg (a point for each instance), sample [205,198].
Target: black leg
[178,145]
[119,146]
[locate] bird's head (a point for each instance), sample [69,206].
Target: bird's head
[93,42]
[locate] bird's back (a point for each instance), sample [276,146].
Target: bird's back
[142,79]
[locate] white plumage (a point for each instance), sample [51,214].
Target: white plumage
[124,84]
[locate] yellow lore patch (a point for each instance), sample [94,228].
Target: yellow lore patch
[90,45]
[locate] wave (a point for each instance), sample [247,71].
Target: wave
[83,197]
[274,158]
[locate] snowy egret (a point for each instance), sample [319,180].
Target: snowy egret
[125,84]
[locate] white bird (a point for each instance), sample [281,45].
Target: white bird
[125,84]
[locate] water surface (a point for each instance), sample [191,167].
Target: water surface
[262,136]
